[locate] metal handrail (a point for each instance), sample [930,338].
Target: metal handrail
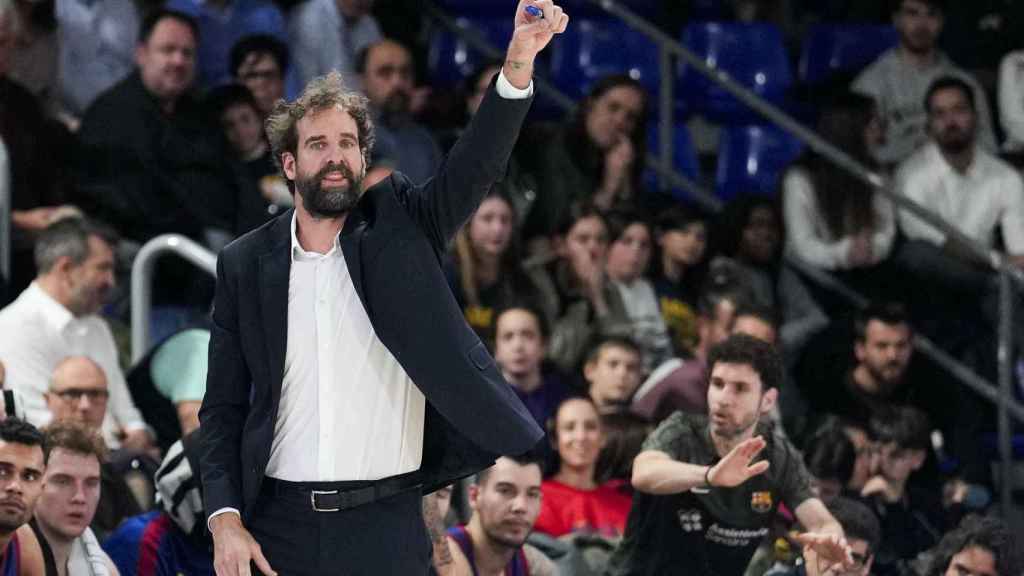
[142,280]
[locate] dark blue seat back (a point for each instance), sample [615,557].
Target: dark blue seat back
[593,48]
[842,49]
[751,159]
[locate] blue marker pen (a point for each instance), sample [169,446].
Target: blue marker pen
[534,11]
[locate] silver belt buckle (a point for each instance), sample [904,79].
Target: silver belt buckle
[312,500]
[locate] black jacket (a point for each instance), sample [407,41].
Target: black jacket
[393,243]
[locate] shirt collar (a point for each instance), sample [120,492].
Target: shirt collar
[299,254]
[54,313]
[974,171]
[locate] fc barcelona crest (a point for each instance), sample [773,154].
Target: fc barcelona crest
[761,502]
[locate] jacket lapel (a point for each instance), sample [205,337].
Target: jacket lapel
[274,271]
[351,242]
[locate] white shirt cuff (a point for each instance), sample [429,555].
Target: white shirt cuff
[218,513]
[507,90]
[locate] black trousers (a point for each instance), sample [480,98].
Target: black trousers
[381,538]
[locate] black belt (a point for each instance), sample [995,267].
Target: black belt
[338,496]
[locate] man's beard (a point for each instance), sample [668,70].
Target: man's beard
[887,384]
[333,201]
[512,544]
[395,108]
[954,142]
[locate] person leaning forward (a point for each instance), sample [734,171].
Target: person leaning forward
[343,382]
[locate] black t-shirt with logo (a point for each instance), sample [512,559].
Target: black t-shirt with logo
[710,532]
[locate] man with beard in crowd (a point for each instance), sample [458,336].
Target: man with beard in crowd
[343,380]
[402,144]
[506,501]
[21,482]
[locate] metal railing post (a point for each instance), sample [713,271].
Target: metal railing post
[1005,355]
[142,280]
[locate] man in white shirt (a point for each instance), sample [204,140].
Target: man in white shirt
[55,317]
[343,380]
[67,504]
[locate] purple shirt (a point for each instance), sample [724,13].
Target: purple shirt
[543,401]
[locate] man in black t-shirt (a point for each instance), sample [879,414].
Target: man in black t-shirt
[702,504]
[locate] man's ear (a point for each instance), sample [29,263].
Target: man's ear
[474,495]
[768,400]
[288,165]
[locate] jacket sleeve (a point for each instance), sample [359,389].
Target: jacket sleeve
[226,403]
[442,204]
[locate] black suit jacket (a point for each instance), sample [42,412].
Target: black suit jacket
[393,242]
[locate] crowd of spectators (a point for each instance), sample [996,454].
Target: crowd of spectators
[604,302]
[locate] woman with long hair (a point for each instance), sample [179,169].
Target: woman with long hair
[680,265]
[573,498]
[486,274]
[835,220]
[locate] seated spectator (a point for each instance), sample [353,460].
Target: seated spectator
[505,500]
[486,272]
[681,238]
[862,532]
[260,62]
[628,257]
[575,295]
[701,500]
[831,459]
[22,459]
[749,233]
[757,321]
[612,372]
[385,69]
[520,336]
[683,385]
[834,220]
[911,513]
[78,394]
[67,504]
[169,383]
[328,35]
[979,545]
[899,80]
[172,539]
[37,186]
[1011,105]
[597,157]
[574,500]
[150,162]
[97,41]
[961,182]
[221,24]
[55,318]
[265,193]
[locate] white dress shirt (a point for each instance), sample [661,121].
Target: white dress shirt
[808,236]
[37,333]
[991,193]
[348,410]
[1011,100]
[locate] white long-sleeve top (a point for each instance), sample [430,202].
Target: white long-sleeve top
[1011,100]
[808,236]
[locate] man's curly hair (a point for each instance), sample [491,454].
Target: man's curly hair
[991,534]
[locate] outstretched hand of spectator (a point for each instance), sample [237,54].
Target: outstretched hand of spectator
[735,468]
[825,554]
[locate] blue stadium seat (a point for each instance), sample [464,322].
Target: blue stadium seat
[752,54]
[684,157]
[751,159]
[451,59]
[833,49]
[593,48]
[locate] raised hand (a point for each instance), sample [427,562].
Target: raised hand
[735,468]
[825,554]
[531,34]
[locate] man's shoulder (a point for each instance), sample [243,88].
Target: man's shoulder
[921,163]
[870,79]
[258,240]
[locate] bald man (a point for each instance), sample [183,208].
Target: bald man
[78,392]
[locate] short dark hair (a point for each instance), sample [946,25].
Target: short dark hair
[542,323]
[830,455]
[890,313]
[259,44]
[154,17]
[75,438]
[363,55]
[18,431]
[762,312]
[905,426]
[857,520]
[579,211]
[602,341]
[532,457]
[937,5]
[69,237]
[225,96]
[620,220]
[759,355]
[724,282]
[949,82]
[679,217]
[987,533]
